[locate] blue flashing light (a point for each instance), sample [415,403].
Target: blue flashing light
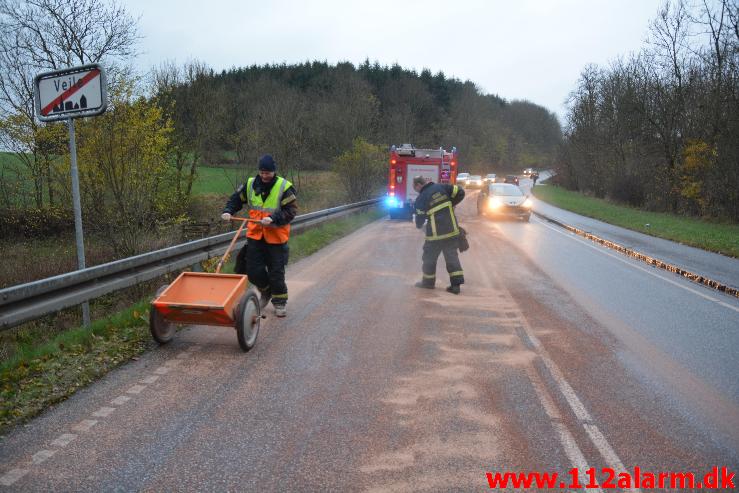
[392,202]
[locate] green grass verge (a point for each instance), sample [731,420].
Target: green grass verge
[38,376]
[715,237]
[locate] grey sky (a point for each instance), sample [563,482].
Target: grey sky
[518,49]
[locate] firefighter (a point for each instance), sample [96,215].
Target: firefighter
[435,205]
[272,200]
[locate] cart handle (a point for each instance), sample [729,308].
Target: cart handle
[243,220]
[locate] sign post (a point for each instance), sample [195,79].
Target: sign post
[65,95]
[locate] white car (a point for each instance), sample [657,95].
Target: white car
[504,200]
[462,178]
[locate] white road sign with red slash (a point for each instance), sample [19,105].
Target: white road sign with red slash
[71,93]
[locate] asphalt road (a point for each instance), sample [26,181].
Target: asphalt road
[557,354]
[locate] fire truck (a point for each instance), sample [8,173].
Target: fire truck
[406,161]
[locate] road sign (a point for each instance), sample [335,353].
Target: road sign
[70,93]
[64,95]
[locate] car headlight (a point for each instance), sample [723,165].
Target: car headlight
[494,203]
[528,203]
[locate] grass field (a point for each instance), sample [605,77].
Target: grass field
[16,185]
[316,189]
[716,237]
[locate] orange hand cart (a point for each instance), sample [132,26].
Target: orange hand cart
[208,299]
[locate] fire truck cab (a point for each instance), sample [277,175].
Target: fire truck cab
[406,161]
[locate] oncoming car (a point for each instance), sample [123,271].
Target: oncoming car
[490,178]
[462,178]
[474,181]
[504,200]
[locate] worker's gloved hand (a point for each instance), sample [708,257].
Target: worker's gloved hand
[266,221]
[226,216]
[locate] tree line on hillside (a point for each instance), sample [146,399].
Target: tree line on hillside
[308,114]
[660,129]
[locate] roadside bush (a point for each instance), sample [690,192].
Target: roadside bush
[35,223]
[361,169]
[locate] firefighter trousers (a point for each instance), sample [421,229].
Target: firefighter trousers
[431,251]
[265,264]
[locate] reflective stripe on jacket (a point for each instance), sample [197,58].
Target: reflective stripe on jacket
[435,204]
[259,209]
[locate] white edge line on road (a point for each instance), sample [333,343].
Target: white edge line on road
[586,243]
[10,477]
[42,456]
[64,440]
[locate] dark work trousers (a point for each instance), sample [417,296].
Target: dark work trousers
[264,264]
[431,251]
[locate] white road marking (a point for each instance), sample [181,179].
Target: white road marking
[604,447]
[573,452]
[162,370]
[566,439]
[150,379]
[42,455]
[576,405]
[12,476]
[103,412]
[597,248]
[64,440]
[84,425]
[596,437]
[120,400]
[136,389]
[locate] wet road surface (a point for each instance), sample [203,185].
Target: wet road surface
[556,355]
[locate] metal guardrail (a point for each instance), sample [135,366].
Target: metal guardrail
[26,302]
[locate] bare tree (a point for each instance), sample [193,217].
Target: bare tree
[39,35]
[187,98]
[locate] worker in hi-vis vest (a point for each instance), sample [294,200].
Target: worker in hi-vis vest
[272,200]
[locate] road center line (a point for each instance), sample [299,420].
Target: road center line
[578,408]
[566,439]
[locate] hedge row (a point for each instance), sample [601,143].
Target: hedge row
[34,223]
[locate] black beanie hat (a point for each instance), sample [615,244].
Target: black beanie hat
[266,163]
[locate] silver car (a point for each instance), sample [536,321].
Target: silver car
[504,200]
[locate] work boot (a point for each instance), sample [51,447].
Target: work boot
[264,296]
[421,284]
[454,289]
[281,310]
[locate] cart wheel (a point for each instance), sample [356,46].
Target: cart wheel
[248,316]
[161,330]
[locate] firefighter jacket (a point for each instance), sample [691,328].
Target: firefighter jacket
[434,205]
[276,199]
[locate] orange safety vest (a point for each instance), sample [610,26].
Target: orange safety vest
[259,209]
